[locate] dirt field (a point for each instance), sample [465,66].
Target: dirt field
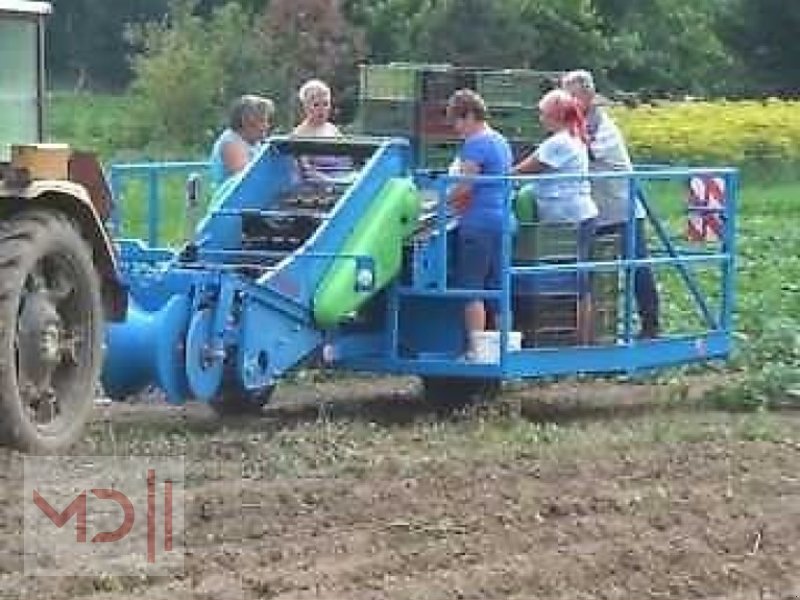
[359,490]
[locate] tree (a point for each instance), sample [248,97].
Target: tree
[536,34]
[189,71]
[664,45]
[85,42]
[86,46]
[386,25]
[762,36]
[311,38]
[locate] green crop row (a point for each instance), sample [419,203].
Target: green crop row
[743,133]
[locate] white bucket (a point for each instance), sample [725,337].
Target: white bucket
[487,345]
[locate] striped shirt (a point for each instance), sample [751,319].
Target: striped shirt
[607,152]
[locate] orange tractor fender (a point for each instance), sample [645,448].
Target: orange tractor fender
[73,200]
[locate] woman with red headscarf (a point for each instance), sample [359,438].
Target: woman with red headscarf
[566,200]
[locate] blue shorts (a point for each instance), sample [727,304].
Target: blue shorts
[479,257]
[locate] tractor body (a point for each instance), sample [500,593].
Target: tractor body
[57,264]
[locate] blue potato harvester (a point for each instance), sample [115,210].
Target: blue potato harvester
[351,268]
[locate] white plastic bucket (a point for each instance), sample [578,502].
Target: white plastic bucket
[487,345]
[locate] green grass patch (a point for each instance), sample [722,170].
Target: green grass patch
[89,122]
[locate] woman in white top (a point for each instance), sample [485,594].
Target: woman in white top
[568,200]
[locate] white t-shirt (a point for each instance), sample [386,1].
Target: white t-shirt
[568,200]
[325,130]
[609,153]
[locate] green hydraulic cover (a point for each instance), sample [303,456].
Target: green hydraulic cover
[379,234]
[525,204]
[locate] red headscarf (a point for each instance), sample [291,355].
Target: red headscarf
[567,110]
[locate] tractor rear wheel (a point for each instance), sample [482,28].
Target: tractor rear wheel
[238,403]
[51,331]
[458,392]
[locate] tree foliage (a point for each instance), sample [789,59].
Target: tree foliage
[189,70]
[85,42]
[688,46]
[762,35]
[310,38]
[187,59]
[664,45]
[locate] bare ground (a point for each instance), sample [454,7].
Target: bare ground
[358,489]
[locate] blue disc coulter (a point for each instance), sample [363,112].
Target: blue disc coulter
[353,269]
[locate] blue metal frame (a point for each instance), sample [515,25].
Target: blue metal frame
[624,355]
[264,323]
[152,174]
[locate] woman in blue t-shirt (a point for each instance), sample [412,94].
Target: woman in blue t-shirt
[480,205]
[569,200]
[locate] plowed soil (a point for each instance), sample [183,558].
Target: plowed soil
[359,490]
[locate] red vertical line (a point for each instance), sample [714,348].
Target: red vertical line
[167,515]
[151,515]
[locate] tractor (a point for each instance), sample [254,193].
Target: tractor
[57,264]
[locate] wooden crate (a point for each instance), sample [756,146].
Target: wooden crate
[42,161]
[537,242]
[606,288]
[434,122]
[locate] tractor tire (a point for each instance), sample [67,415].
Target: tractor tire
[458,392]
[236,402]
[51,331]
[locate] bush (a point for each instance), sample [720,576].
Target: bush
[189,71]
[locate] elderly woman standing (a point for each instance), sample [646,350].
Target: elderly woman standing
[569,200]
[249,123]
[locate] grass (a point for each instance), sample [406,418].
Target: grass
[89,122]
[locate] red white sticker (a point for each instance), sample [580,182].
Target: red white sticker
[706,195]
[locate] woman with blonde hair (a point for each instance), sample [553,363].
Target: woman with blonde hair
[315,100]
[569,200]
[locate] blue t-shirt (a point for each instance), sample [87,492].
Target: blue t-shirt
[219,174]
[491,152]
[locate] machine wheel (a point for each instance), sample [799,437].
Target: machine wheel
[234,401]
[457,392]
[51,331]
